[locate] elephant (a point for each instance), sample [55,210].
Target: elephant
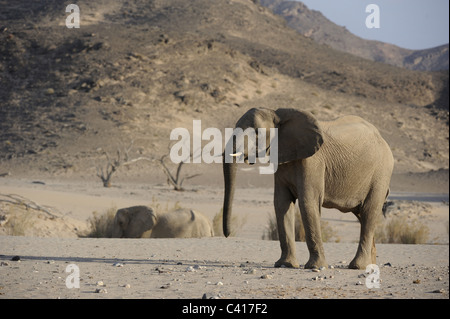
[343,164]
[132,222]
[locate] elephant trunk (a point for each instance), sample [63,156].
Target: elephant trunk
[229,175]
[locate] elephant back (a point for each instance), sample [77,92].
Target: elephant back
[182,223]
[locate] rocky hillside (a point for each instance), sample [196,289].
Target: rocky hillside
[315,25]
[136,69]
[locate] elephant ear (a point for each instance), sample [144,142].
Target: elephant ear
[299,135]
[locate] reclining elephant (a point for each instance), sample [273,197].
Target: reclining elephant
[132,222]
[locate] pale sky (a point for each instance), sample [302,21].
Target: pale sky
[411,24]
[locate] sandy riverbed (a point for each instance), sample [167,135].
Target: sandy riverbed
[239,267]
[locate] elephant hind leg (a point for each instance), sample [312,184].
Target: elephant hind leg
[367,215]
[374,249]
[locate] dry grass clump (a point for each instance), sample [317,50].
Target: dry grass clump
[402,223]
[17,221]
[271,232]
[101,225]
[401,230]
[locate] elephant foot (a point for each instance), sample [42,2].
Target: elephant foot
[359,263]
[316,262]
[287,263]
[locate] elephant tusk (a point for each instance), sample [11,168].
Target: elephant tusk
[236,154]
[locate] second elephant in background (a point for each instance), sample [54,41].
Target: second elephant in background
[133,222]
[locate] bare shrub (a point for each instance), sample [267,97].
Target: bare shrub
[176,180]
[111,164]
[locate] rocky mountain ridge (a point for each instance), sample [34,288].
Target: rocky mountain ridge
[314,24]
[136,69]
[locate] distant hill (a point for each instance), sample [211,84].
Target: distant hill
[136,69]
[315,25]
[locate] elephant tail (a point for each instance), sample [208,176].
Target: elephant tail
[386,204]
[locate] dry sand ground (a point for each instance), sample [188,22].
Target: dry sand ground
[217,267]
[240,267]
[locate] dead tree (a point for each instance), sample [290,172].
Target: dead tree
[175,180]
[112,164]
[122,158]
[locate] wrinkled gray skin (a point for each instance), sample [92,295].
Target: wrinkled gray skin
[343,164]
[132,222]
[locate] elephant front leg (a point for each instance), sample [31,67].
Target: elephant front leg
[285,223]
[313,235]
